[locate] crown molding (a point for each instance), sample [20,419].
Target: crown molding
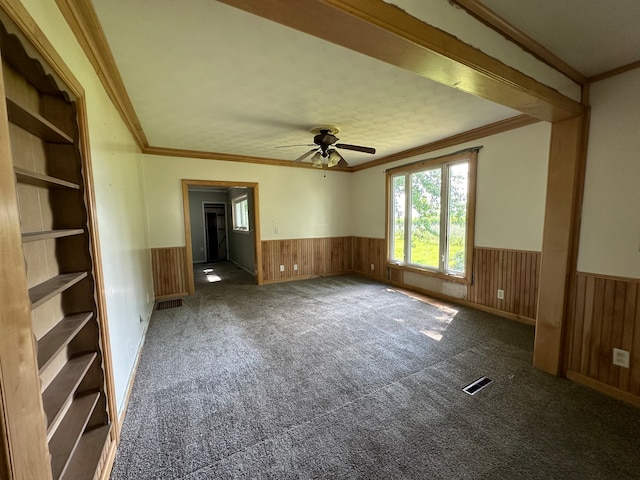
[468,136]
[494,21]
[615,71]
[83,21]
[228,157]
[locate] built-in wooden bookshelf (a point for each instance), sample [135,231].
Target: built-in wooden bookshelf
[42,132]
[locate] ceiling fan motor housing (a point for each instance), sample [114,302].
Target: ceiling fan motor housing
[325,139]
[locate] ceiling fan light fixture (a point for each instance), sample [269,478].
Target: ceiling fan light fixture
[316,160]
[334,158]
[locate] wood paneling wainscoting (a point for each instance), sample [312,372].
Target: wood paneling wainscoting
[323,256]
[514,271]
[367,252]
[313,257]
[606,315]
[169,272]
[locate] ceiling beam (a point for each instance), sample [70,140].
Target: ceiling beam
[385,32]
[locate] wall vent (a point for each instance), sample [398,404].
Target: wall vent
[169,304]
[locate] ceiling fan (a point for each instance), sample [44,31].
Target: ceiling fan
[324,151]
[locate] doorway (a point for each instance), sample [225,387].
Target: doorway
[206,249]
[215,231]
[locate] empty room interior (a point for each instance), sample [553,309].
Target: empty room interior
[319,239]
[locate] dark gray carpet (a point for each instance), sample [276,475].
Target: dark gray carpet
[345,378]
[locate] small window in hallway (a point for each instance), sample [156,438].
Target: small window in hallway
[241,213]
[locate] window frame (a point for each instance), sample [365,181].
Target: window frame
[235,202]
[471,156]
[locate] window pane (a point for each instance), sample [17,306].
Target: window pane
[457,215]
[240,213]
[425,218]
[398,220]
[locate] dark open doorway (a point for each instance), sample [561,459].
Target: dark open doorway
[215,231]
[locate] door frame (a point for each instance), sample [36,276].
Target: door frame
[187,224]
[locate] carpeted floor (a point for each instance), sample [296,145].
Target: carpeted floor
[345,378]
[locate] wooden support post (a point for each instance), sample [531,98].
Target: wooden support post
[557,243]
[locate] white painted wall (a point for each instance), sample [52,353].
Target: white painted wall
[297,202]
[456,21]
[308,203]
[510,196]
[610,233]
[120,202]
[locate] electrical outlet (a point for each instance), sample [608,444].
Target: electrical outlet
[282,268]
[373,267]
[500,294]
[621,358]
[295,266]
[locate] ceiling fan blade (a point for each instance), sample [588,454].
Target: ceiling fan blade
[356,148]
[342,163]
[305,155]
[299,145]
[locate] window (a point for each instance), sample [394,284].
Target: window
[431,208]
[240,209]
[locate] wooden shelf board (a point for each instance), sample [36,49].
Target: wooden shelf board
[47,234]
[59,394]
[63,444]
[40,179]
[52,287]
[59,337]
[36,124]
[86,457]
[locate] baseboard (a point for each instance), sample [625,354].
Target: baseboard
[305,277]
[455,300]
[370,276]
[500,313]
[134,371]
[603,388]
[253,274]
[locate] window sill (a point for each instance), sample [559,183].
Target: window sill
[425,271]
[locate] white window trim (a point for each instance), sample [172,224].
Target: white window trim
[234,203]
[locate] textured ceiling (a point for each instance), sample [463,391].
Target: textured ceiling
[205,76]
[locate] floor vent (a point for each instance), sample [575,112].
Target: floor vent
[476,386]
[169,304]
